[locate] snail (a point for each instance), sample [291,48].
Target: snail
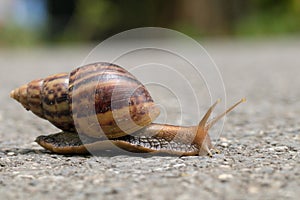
[100,104]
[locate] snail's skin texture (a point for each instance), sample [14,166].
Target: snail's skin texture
[154,138]
[106,95]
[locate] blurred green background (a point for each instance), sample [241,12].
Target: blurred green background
[36,22]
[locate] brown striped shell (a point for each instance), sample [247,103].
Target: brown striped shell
[93,99]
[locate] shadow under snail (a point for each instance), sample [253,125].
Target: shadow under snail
[102,103]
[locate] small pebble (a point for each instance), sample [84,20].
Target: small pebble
[281,148]
[253,190]
[225,177]
[25,176]
[225,166]
[10,153]
[223,139]
[261,132]
[179,165]
[224,144]
[271,149]
[273,142]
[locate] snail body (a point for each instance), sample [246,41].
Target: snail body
[102,103]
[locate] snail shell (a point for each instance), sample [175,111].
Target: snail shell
[121,104]
[107,104]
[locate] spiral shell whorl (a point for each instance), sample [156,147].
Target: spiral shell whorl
[55,101]
[91,100]
[122,105]
[48,99]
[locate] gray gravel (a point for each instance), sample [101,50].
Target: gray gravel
[260,142]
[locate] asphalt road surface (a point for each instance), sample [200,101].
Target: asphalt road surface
[260,141]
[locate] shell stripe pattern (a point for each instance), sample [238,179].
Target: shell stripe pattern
[65,99]
[55,101]
[48,99]
[118,96]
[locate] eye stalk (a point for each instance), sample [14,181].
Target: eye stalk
[216,119]
[202,138]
